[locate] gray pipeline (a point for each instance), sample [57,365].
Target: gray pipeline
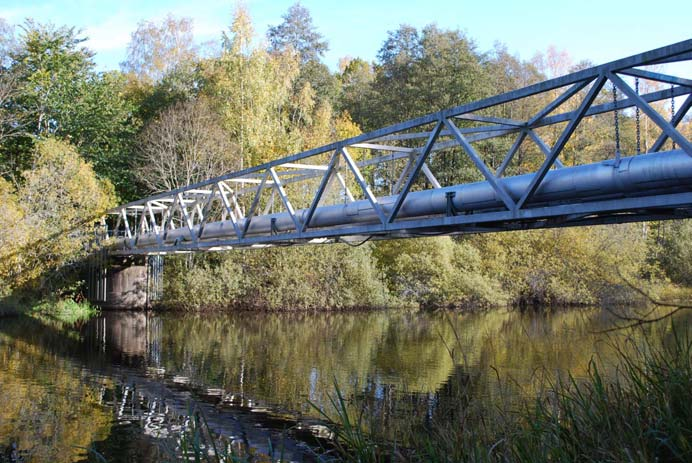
[665,172]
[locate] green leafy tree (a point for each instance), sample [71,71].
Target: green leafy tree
[675,251]
[417,72]
[59,94]
[51,64]
[357,93]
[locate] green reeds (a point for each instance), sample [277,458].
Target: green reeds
[350,441]
[642,413]
[197,443]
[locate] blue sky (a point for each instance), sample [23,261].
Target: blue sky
[596,30]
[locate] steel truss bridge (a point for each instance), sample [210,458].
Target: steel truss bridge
[383,184]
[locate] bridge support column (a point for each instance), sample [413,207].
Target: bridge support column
[124,282]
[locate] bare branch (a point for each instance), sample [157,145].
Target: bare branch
[644,319]
[184,145]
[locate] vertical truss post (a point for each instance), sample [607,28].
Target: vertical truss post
[412,178]
[562,141]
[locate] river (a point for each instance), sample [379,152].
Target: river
[122,385]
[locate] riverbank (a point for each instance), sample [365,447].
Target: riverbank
[67,311]
[641,413]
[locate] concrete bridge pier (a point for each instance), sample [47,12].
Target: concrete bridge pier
[116,282]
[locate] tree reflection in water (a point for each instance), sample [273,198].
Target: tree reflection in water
[126,380]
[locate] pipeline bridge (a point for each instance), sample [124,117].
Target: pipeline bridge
[394,182]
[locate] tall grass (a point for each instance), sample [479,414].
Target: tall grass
[642,414]
[350,441]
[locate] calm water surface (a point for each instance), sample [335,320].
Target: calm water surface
[124,383]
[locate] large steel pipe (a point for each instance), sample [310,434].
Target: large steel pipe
[665,172]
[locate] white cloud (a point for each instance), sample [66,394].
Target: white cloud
[111,34]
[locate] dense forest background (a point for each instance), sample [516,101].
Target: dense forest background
[75,142]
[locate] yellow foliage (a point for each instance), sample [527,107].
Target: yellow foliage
[437,272]
[50,215]
[564,265]
[46,406]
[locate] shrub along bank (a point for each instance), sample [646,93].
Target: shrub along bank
[559,267]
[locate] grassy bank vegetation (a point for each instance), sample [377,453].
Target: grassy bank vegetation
[63,310]
[539,268]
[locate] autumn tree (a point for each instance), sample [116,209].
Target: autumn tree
[49,218]
[251,89]
[156,49]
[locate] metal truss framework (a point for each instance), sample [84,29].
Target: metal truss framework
[232,202]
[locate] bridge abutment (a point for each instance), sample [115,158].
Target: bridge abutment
[115,282]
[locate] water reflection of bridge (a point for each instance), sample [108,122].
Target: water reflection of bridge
[115,362]
[394,363]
